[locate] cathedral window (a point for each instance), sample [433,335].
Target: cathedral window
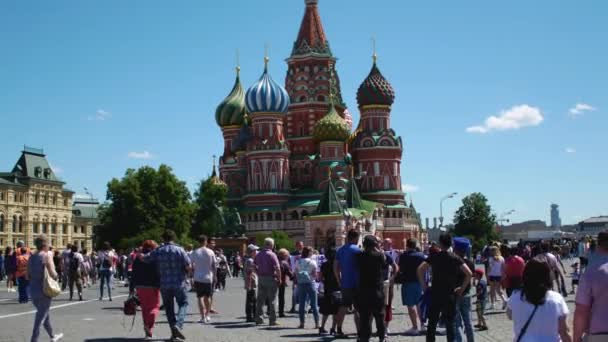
[44,228]
[36,198]
[376,169]
[14,223]
[386,182]
[35,226]
[321,98]
[1,222]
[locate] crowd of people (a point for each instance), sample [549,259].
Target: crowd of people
[440,284]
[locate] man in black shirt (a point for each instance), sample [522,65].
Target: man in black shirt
[463,303]
[370,291]
[446,268]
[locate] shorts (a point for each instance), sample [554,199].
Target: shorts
[203,289]
[411,293]
[348,297]
[495,278]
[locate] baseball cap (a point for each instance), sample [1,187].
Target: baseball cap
[252,248]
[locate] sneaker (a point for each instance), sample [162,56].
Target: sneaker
[177,333]
[57,337]
[322,331]
[208,319]
[483,328]
[412,332]
[201,321]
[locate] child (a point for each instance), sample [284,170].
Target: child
[576,274]
[482,294]
[251,283]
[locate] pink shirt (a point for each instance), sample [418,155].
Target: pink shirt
[592,292]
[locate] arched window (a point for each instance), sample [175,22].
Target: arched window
[36,198]
[14,223]
[44,231]
[1,222]
[20,224]
[35,227]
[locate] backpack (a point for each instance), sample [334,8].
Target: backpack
[303,276]
[105,263]
[74,263]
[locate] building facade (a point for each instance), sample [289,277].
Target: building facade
[593,226]
[33,200]
[285,146]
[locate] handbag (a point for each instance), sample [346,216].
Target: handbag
[50,286]
[525,327]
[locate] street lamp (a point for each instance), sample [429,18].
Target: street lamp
[502,218]
[441,206]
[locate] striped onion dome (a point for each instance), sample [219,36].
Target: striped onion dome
[375,90]
[266,95]
[332,127]
[231,111]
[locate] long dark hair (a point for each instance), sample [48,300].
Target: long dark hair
[536,281]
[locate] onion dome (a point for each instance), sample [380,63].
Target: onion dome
[232,110]
[215,179]
[266,95]
[375,90]
[332,127]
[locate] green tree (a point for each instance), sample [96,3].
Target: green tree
[474,219]
[142,205]
[209,201]
[281,240]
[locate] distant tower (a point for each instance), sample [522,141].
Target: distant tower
[556,221]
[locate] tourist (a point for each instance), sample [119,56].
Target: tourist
[286,273]
[2,271]
[21,275]
[237,264]
[223,270]
[463,303]
[370,295]
[94,268]
[203,263]
[592,298]
[411,292]
[251,283]
[446,285]
[481,291]
[173,266]
[146,281]
[306,274]
[496,265]
[85,269]
[576,275]
[293,261]
[37,263]
[65,258]
[331,299]
[347,274]
[74,272]
[538,313]
[547,257]
[269,275]
[57,262]
[10,266]
[389,273]
[105,259]
[556,251]
[513,270]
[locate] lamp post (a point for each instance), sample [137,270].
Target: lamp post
[502,218]
[441,206]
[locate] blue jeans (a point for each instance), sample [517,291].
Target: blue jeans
[463,318]
[22,285]
[104,278]
[307,291]
[43,305]
[170,296]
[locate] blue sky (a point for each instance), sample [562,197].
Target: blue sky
[107,85]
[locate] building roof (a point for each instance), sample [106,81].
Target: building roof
[33,164]
[597,219]
[311,37]
[231,111]
[329,202]
[266,95]
[375,89]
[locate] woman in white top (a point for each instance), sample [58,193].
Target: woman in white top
[105,258]
[306,274]
[495,272]
[538,313]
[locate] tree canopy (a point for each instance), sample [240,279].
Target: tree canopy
[474,219]
[142,205]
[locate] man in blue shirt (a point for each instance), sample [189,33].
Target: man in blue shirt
[173,265]
[347,274]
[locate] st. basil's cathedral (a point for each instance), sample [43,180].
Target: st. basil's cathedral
[293,163]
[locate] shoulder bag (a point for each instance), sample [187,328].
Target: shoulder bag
[50,287]
[525,327]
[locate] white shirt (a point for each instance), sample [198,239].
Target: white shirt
[544,326]
[307,265]
[204,265]
[496,267]
[101,256]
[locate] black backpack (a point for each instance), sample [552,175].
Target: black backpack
[74,263]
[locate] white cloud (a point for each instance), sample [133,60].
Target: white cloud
[570,150]
[100,115]
[409,188]
[141,155]
[56,169]
[579,109]
[514,118]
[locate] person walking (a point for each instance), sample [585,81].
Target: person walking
[513,270]
[370,294]
[173,266]
[203,264]
[481,292]
[74,272]
[347,274]
[293,261]
[269,275]
[331,292]
[21,275]
[411,292]
[390,273]
[10,266]
[65,261]
[251,283]
[286,273]
[464,302]
[495,272]
[146,281]
[39,262]
[592,298]
[445,287]
[306,274]
[105,259]
[538,313]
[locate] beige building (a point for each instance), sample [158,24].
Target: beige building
[34,201]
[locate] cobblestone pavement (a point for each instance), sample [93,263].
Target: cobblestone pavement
[95,321]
